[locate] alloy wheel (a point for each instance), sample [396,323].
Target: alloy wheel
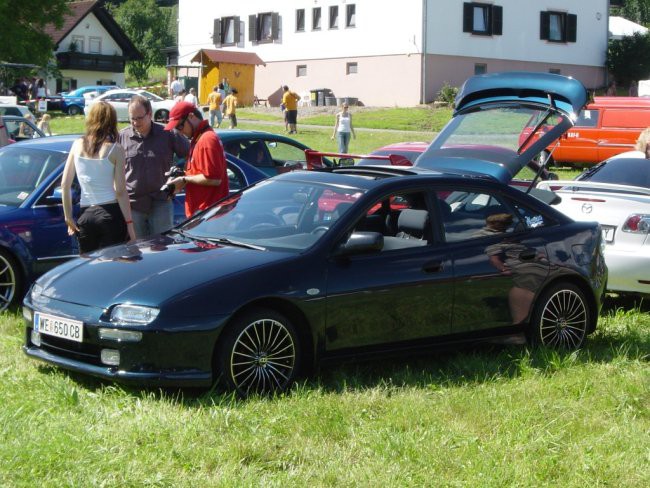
[8,283]
[564,319]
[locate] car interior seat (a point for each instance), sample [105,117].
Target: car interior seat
[413,224]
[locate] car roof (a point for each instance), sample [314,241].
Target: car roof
[50,143]
[227,135]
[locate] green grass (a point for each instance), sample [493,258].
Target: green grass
[485,416]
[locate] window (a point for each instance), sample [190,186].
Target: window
[351,69]
[264,27]
[315,18]
[587,118]
[77,44]
[226,31]
[482,19]
[480,68]
[555,71]
[301,70]
[334,17]
[350,15]
[95,45]
[300,20]
[558,27]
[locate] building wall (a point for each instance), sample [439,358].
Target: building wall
[91,27]
[387,45]
[85,78]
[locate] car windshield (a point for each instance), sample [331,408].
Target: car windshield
[494,132]
[632,172]
[22,170]
[274,215]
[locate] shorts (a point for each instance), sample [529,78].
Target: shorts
[101,226]
[292,116]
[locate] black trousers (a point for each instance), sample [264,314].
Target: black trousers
[101,226]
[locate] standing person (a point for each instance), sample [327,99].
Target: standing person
[181,96]
[206,178]
[175,87]
[214,102]
[44,124]
[98,161]
[191,97]
[611,90]
[343,128]
[230,104]
[290,101]
[226,86]
[41,89]
[150,151]
[633,91]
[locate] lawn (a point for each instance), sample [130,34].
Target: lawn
[485,416]
[490,415]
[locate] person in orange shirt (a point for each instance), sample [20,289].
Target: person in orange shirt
[215,101]
[290,101]
[230,104]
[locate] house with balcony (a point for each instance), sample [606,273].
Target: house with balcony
[90,48]
[388,54]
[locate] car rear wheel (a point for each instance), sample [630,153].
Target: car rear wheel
[561,317]
[10,281]
[161,116]
[259,353]
[74,110]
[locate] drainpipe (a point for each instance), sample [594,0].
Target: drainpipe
[423,62]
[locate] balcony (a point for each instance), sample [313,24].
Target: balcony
[90,62]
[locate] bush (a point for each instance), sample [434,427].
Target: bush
[447,94]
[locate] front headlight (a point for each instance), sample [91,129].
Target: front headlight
[36,292]
[127,314]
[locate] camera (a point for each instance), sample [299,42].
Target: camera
[174,172]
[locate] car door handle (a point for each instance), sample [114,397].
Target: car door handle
[433,267]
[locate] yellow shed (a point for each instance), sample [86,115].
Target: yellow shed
[236,66]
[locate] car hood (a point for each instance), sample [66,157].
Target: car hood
[148,272]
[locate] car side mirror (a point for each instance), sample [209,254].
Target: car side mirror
[361,243]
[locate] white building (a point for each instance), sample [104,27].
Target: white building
[389,53]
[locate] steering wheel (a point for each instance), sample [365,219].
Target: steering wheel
[321,229]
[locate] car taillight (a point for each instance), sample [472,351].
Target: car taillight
[637,223]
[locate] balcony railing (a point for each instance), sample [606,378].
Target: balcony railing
[90,62]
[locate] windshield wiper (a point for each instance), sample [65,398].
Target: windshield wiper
[217,240]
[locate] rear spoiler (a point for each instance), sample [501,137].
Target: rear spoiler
[571,186]
[314,159]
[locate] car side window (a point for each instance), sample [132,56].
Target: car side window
[236,180]
[587,118]
[471,215]
[282,153]
[402,218]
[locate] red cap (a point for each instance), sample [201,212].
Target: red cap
[178,113]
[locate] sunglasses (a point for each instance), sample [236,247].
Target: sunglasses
[180,126]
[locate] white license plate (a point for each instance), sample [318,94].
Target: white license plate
[608,232]
[58,327]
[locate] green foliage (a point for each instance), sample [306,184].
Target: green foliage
[634,10]
[627,58]
[447,94]
[22,37]
[147,25]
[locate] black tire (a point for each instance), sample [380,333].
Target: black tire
[259,353]
[161,116]
[561,318]
[11,281]
[74,110]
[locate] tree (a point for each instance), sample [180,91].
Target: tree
[627,58]
[147,25]
[22,35]
[635,10]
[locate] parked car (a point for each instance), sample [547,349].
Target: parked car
[20,128]
[33,234]
[119,98]
[606,127]
[270,153]
[273,280]
[616,194]
[13,109]
[74,102]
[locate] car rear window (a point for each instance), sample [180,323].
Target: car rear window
[633,172]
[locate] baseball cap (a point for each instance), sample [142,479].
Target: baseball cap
[178,113]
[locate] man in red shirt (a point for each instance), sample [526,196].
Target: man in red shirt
[206,177]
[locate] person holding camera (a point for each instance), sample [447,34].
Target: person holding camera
[206,178]
[150,152]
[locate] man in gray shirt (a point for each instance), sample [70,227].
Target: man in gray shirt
[149,154]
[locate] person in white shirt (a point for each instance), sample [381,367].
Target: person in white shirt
[343,129]
[191,97]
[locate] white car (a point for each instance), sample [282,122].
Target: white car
[616,194]
[120,100]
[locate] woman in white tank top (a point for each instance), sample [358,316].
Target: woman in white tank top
[343,129]
[98,162]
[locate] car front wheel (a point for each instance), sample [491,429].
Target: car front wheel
[74,110]
[259,353]
[10,281]
[561,317]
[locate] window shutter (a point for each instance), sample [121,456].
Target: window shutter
[571,28]
[497,20]
[275,25]
[252,28]
[468,18]
[544,25]
[236,31]
[216,32]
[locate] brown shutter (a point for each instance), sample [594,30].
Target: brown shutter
[497,20]
[216,32]
[252,28]
[571,28]
[236,31]
[275,25]
[544,25]
[468,18]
